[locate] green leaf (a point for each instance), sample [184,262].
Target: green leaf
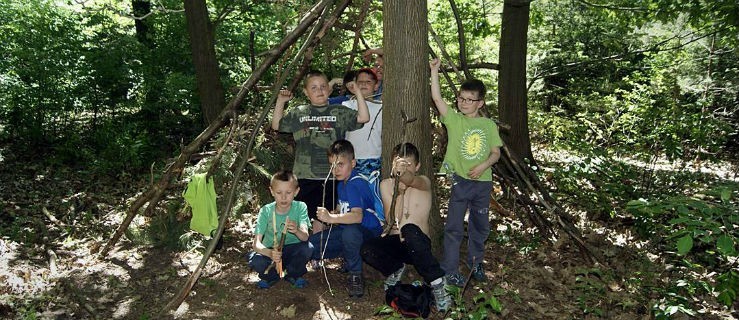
[682,209]
[725,195]
[679,220]
[684,244]
[725,245]
[727,297]
[495,304]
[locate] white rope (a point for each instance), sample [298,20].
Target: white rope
[323,199]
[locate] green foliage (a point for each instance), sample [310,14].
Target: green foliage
[592,291]
[700,229]
[481,305]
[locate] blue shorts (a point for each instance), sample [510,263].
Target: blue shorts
[367,166]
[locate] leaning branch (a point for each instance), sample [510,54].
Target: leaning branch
[155,191]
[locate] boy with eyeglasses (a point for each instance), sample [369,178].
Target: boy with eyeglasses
[314,127]
[367,141]
[473,147]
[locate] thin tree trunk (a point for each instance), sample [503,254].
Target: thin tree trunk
[202,46]
[406,85]
[512,91]
[141,9]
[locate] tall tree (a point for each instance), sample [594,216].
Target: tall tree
[512,90]
[202,44]
[406,83]
[141,9]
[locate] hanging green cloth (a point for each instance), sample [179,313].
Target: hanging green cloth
[201,196]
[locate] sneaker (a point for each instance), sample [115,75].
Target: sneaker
[355,285]
[298,282]
[478,273]
[264,284]
[441,296]
[394,277]
[455,279]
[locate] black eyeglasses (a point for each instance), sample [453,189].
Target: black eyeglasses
[465,100]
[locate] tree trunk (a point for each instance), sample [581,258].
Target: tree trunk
[202,44]
[512,79]
[406,85]
[141,9]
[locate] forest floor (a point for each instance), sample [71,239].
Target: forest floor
[53,219]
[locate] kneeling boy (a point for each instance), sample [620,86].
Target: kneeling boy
[408,241]
[354,223]
[284,214]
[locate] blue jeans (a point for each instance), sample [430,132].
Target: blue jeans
[294,258]
[341,241]
[475,196]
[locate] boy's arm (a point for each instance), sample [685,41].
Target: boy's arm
[477,170]
[351,217]
[441,106]
[400,169]
[260,248]
[300,231]
[363,115]
[279,112]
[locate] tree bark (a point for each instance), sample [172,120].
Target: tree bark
[141,9]
[202,44]
[406,85]
[512,90]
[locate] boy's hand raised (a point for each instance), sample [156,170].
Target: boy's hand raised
[284,96]
[435,64]
[352,87]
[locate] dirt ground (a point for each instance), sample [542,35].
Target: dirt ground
[52,221]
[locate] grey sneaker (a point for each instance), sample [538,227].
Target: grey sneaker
[479,273]
[441,296]
[455,279]
[355,285]
[394,277]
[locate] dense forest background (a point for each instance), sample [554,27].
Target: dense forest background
[633,109]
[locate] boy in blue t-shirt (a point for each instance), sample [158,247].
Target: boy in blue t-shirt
[354,223]
[284,214]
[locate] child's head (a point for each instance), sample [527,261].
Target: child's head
[379,66]
[410,153]
[315,87]
[284,187]
[341,157]
[367,81]
[471,97]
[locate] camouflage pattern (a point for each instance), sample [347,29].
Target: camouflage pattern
[314,130]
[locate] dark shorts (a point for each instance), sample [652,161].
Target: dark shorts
[312,193]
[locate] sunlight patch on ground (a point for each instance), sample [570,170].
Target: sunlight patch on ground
[722,170]
[327,312]
[123,309]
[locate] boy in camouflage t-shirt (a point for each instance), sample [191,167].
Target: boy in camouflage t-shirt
[315,127]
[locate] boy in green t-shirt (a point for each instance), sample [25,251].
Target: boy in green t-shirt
[282,215]
[473,147]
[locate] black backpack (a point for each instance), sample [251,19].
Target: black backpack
[409,300]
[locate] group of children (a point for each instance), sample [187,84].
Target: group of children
[344,141]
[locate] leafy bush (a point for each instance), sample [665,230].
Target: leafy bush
[699,228]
